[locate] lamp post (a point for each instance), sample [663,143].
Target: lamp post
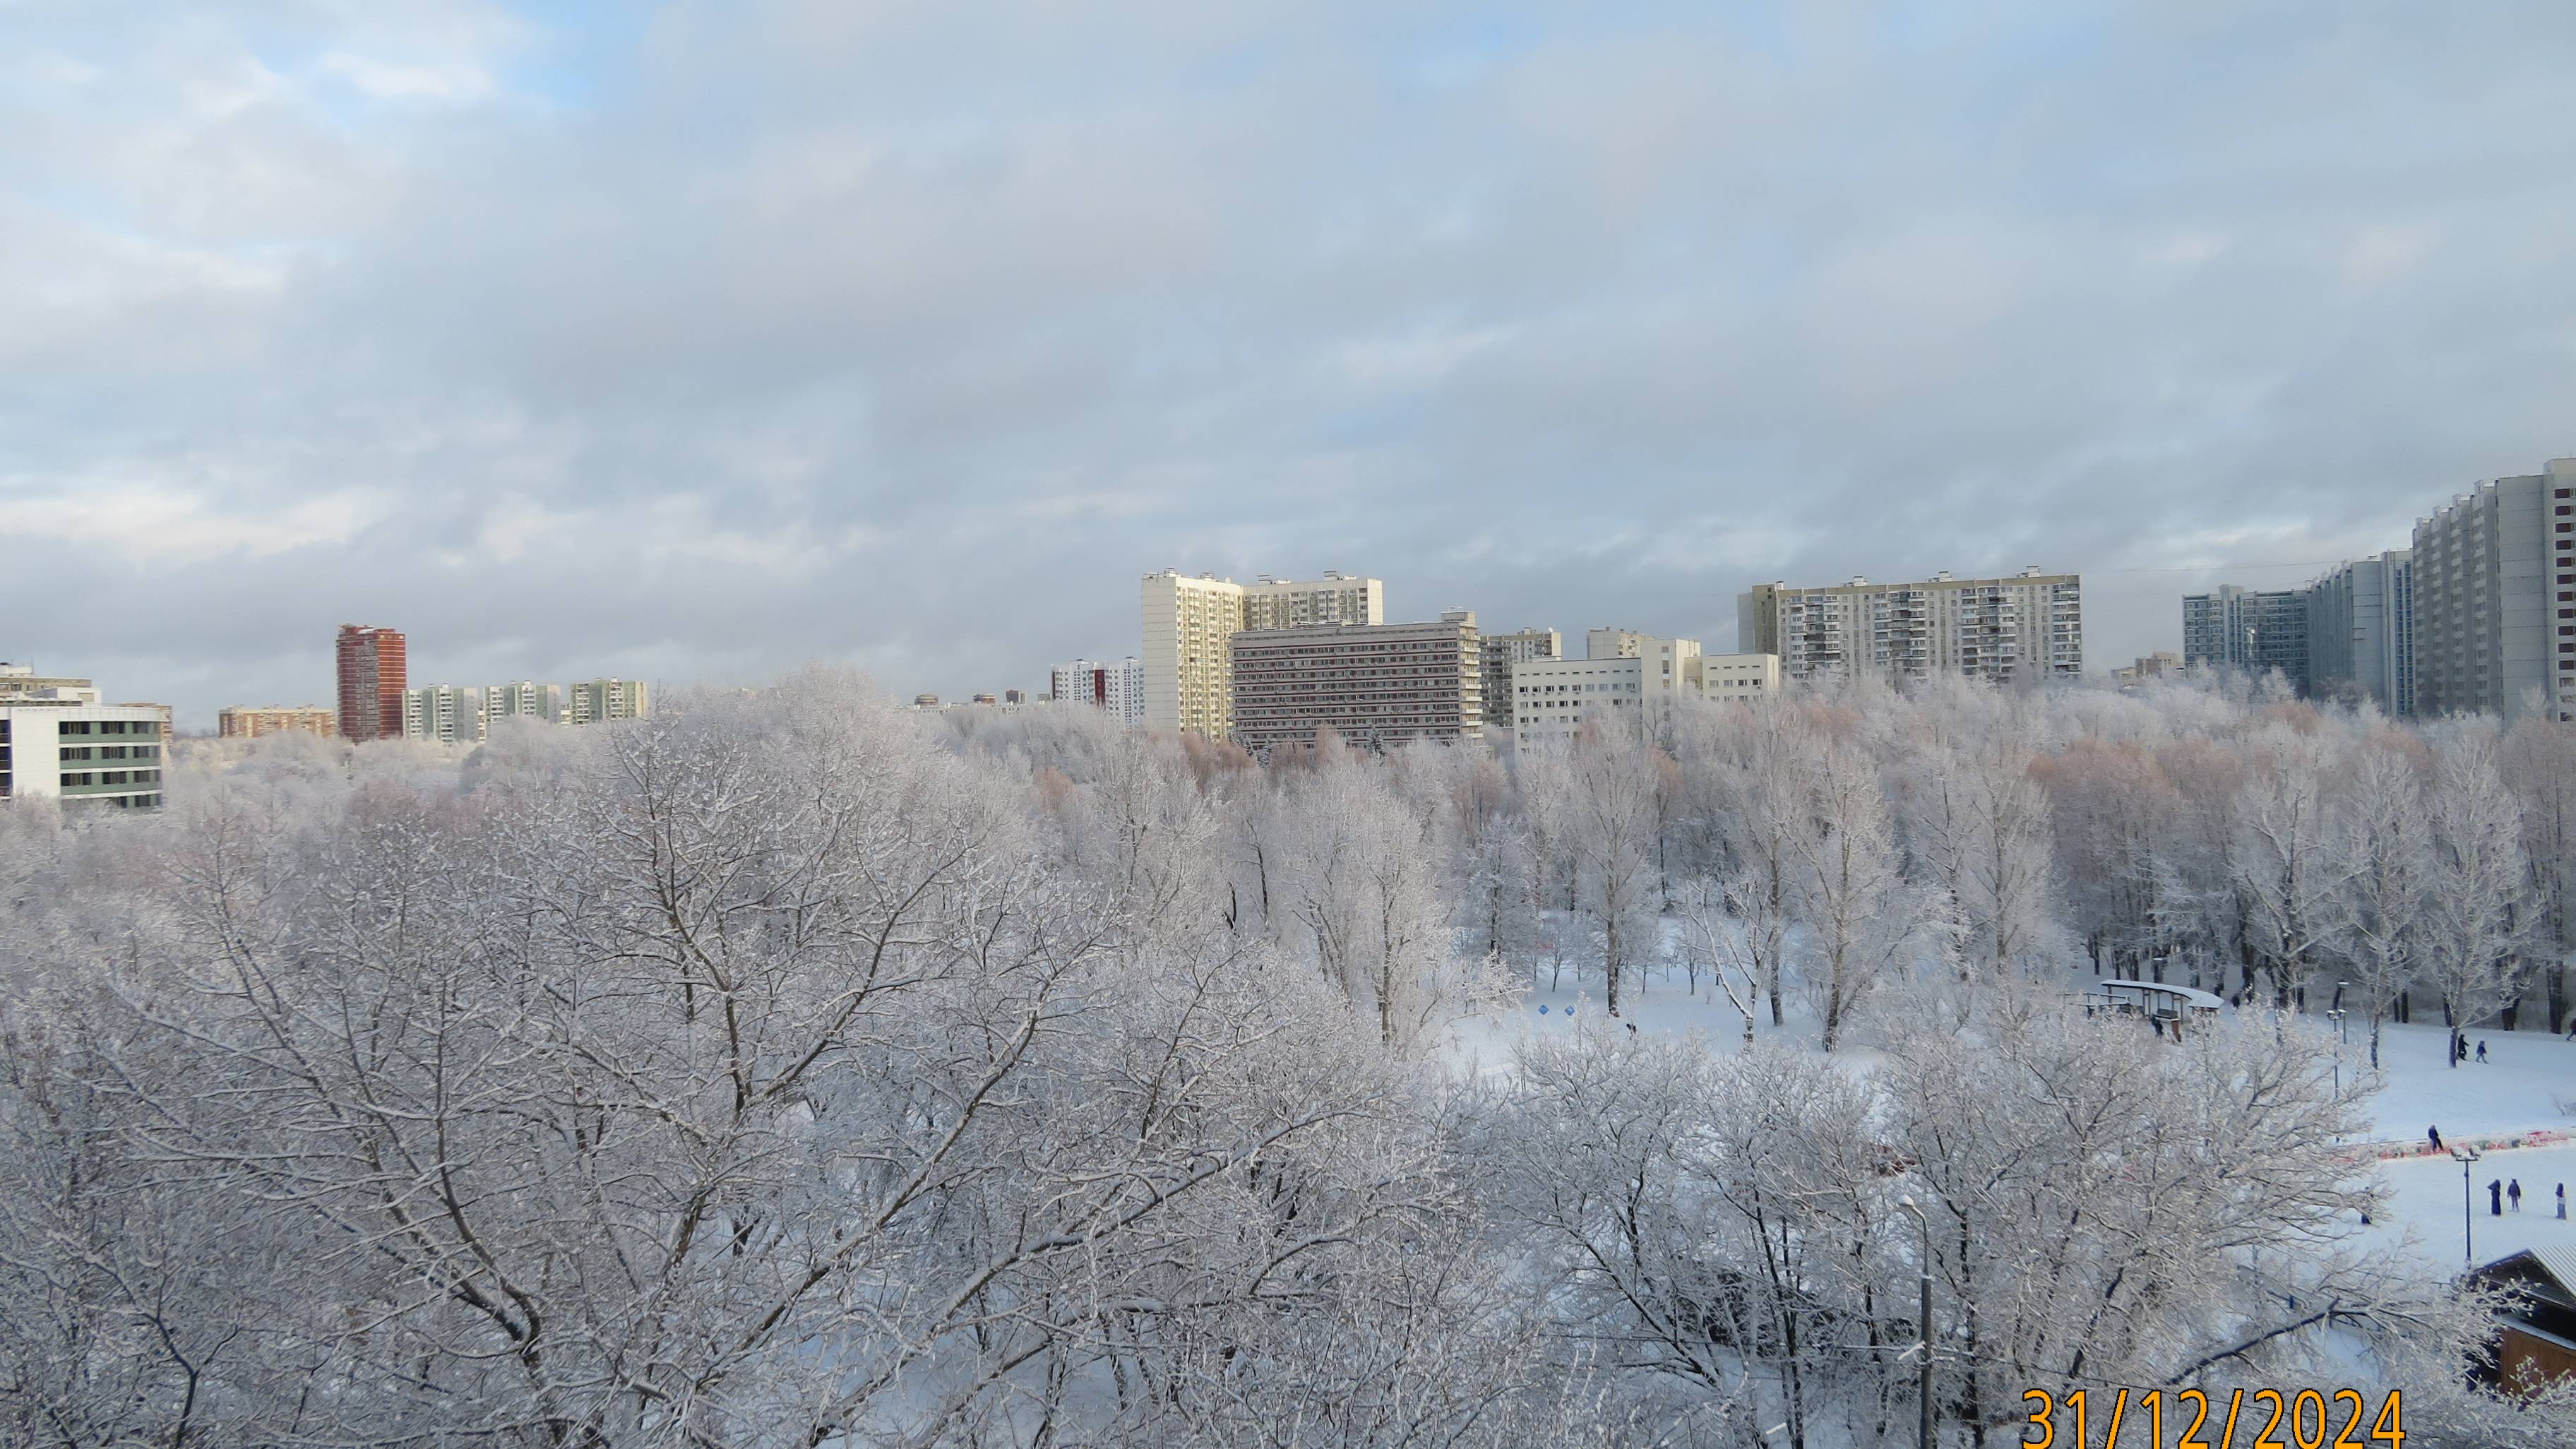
[1923,1427]
[2335,1014]
[2468,1213]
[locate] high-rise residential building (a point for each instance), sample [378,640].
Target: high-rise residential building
[1189,621]
[373,675]
[447,713]
[249,722]
[599,700]
[2028,626]
[1372,684]
[2253,629]
[58,742]
[1500,653]
[2495,597]
[526,699]
[2361,632]
[1118,688]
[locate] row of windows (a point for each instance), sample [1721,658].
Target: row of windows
[109,727]
[111,777]
[111,752]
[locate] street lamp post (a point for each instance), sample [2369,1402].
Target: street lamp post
[1923,1397]
[2468,1213]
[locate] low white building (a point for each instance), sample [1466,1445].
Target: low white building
[1740,677]
[58,742]
[1554,698]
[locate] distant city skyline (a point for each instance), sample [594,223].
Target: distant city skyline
[699,344]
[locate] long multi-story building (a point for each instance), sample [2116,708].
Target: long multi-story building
[249,722]
[2361,632]
[526,699]
[373,674]
[1188,623]
[1373,684]
[1499,653]
[2495,597]
[447,713]
[57,741]
[597,701]
[2028,626]
[2260,630]
[1118,688]
[1622,670]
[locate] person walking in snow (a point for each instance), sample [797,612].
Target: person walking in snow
[2434,1135]
[2482,1051]
[2562,1202]
[2495,1198]
[2513,1190]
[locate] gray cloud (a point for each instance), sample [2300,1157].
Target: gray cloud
[702,341]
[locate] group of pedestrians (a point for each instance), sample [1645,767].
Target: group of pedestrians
[2460,1047]
[2500,1190]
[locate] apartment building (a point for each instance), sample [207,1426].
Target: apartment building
[1118,688]
[1188,623]
[2361,632]
[249,722]
[1499,653]
[374,671]
[2494,593]
[2259,630]
[526,699]
[57,741]
[2027,626]
[1740,678]
[446,713]
[600,700]
[1373,684]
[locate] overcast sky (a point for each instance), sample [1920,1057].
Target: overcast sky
[697,342]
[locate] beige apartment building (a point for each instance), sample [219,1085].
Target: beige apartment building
[249,722]
[2028,626]
[1373,684]
[1500,653]
[1189,623]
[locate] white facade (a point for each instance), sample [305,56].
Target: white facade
[1742,678]
[448,713]
[1554,698]
[526,699]
[1189,624]
[1118,688]
[82,753]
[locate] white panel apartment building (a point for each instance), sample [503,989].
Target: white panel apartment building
[1552,699]
[2030,625]
[447,713]
[1189,624]
[58,742]
[1118,688]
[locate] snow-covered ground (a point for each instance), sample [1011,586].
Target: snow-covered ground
[2515,1092]
[2424,1198]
